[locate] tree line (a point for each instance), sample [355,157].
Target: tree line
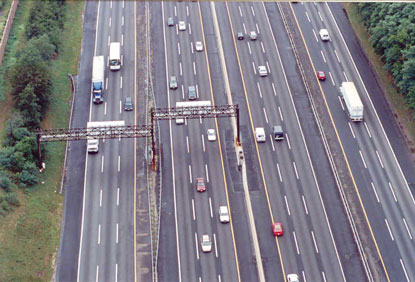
[392,35]
[30,81]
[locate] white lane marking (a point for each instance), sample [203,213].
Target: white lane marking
[407,228]
[210,207]
[183,92]
[345,76]
[119,163]
[279,110]
[203,143]
[122,21]
[177,29]
[187,10]
[279,172]
[314,240]
[216,246]
[288,207]
[175,11]
[105,110]
[265,114]
[321,18]
[122,60]
[116,272]
[118,196]
[197,91]
[404,271]
[187,143]
[181,71]
[191,47]
[116,235]
[193,209]
[363,160]
[249,48]
[252,10]
[308,18]
[200,279]
[178,48]
[331,78]
[380,160]
[243,24]
[367,129]
[351,129]
[288,141]
[197,246]
[123,4]
[190,173]
[111,4]
[259,89]
[240,11]
[315,35]
[305,205]
[341,102]
[393,192]
[324,58]
[272,143]
[374,190]
[219,279]
[97,274]
[99,234]
[100,197]
[303,270]
[108,61]
[109,40]
[257,28]
[324,276]
[122,39]
[194,68]
[190,29]
[337,56]
[120,106]
[253,65]
[296,244]
[273,89]
[390,231]
[102,164]
[207,173]
[295,169]
[269,70]
[109,23]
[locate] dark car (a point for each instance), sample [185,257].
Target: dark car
[128,104]
[240,36]
[192,93]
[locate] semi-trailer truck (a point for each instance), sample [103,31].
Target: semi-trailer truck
[98,79]
[352,100]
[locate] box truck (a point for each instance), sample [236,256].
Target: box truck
[352,100]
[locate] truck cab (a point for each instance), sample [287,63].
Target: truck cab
[92,145]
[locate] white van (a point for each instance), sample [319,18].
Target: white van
[115,56]
[260,134]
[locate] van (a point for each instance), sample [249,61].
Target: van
[260,134]
[92,145]
[278,133]
[115,56]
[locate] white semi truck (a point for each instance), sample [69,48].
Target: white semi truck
[98,128]
[352,100]
[98,70]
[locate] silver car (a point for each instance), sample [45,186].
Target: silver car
[173,82]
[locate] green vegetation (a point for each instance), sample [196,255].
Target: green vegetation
[4,12]
[36,68]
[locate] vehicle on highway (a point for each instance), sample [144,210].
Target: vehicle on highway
[277,133]
[324,34]
[182,25]
[206,243]
[352,100]
[192,93]
[253,35]
[199,46]
[277,229]
[179,120]
[98,79]
[240,36]
[223,214]
[128,104]
[200,184]
[262,70]
[260,134]
[173,82]
[293,278]
[170,22]
[115,56]
[321,75]
[211,134]
[97,128]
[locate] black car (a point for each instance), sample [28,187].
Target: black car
[128,104]
[240,36]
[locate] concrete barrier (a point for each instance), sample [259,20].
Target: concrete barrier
[7,29]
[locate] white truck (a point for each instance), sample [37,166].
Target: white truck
[260,134]
[98,79]
[95,128]
[352,100]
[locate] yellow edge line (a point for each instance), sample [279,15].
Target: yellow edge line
[135,142]
[220,148]
[256,144]
[344,154]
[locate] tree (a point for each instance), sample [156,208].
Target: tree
[29,106]
[29,175]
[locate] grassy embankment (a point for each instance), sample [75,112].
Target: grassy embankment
[396,100]
[29,236]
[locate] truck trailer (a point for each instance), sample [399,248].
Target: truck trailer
[98,79]
[352,100]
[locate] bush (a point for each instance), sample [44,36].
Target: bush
[15,131]
[5,182]
[12,199]
[11,159]
[29,175]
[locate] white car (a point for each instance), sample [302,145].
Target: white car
[179,120]
[182,25]
[262,70]
[206,243]
[211,135]
[199,46]
[324,34]
[293,278]
[223,214]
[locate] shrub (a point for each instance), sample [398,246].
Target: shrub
[29,175]
[5,182]
[12,199]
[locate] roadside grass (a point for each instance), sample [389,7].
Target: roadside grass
[397,101]
[29,242]
[4,12]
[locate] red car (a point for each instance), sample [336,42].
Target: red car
[277,229]
[321,75]
[200,185]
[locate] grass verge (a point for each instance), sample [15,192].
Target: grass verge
[400,108]
[30,239]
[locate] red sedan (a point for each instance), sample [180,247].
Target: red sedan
[200,185]
[321,75]
[277,229]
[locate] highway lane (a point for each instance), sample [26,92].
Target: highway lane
[106,250]
[193,157]
[381,183]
